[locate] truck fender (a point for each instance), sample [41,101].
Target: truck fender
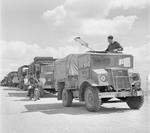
[82,88]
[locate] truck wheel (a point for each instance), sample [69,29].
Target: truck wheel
[21,86]
[67,98]
[24,88]
[41,92]
[92,100]
[135,102]
[59,94]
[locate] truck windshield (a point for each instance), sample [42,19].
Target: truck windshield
[112,61]
[24,69]
[47,69]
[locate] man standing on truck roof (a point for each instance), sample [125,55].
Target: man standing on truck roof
[113,46]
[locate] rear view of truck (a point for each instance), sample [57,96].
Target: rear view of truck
[12,79]
[15,79]
[23,76]
[42,68]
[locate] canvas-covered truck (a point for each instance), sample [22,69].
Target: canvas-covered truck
[12,79]
[96,78]
[15,80]
[23,76]
[43,69]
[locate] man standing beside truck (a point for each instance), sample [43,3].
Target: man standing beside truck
[114,46]
[33,89]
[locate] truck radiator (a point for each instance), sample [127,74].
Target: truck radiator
[121,80]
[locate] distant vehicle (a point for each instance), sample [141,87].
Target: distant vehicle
[43,69]
[4,81]
[96,78]
[23,76]
[15,80]
[12,79]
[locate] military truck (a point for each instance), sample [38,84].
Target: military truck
[15,80]
[96,78]
[23,76]
[12,79]
[4,81]
[42,68]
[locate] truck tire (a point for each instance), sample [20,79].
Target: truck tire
[135,102]
[41,92]
[24,88]
[67,98]
[59,94]
[92,100]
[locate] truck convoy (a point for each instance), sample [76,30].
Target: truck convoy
[23,76]
[93,77]
[42,68]
[96,78]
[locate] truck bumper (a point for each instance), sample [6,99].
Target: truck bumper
[120,94]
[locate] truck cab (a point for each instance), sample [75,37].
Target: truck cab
[98,77]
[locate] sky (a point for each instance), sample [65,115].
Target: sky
[32,28]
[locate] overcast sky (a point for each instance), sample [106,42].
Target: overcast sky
[32,28]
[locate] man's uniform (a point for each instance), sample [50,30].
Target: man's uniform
[114,46]
[31,88]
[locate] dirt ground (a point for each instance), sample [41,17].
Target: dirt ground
[20,115]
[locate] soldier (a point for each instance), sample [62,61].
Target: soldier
[113,46]
[32,86]
[37,90]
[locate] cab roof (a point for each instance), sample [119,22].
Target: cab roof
[100,53]
[104,53]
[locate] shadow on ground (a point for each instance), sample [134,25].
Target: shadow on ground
[27,98]
[76,109]
[17,94]
[11,89]
[20,93]
[49,95]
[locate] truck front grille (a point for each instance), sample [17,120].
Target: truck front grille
[121,79]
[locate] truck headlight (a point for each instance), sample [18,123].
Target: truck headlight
[136,80]
[137,85]
[135,77]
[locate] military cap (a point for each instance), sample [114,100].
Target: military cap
[110,37]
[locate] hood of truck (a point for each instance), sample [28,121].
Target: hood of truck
[96,76]
[99,71]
